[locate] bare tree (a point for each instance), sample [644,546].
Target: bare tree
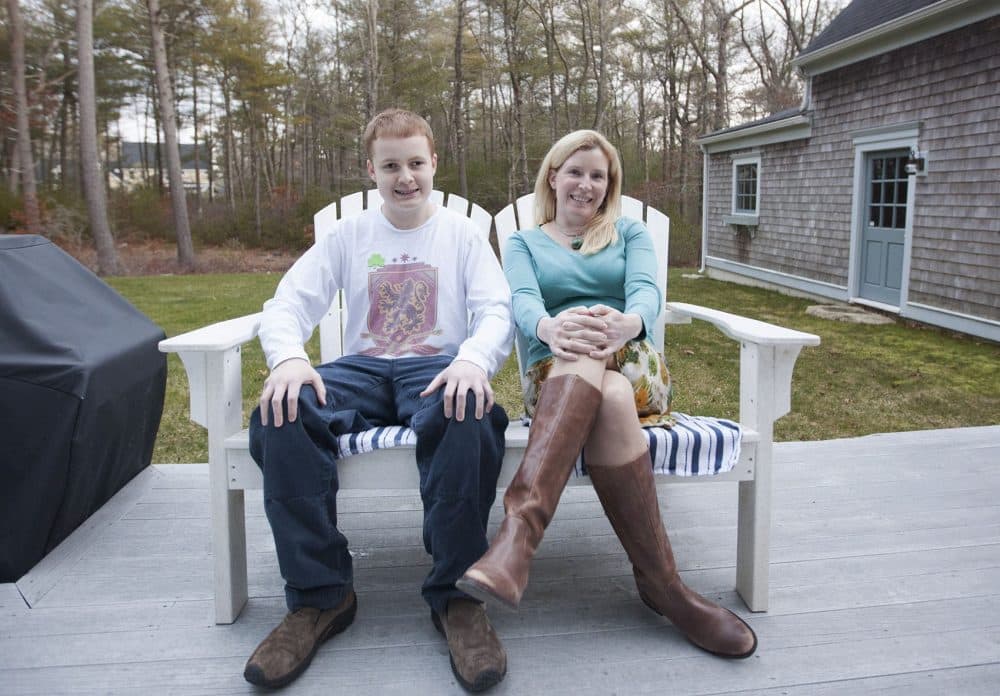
[780,31]
[25,159]
[371,58]
[456,100]
[717,18]
[90,162]
[168,119]
[511,10]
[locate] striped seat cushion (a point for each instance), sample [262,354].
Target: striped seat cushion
[695,446]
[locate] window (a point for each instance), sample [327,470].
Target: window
[746,185]
[746,193]
[887,202]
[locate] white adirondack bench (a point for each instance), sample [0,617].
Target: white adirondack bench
[212,359]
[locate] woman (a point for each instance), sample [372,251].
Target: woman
[584,290]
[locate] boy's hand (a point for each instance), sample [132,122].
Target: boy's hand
[284,384]
[458,379]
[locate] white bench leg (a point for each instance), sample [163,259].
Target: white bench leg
[761,402]
[229,545]
[753,540]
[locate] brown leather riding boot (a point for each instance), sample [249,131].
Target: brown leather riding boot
[628,495]
[566,410]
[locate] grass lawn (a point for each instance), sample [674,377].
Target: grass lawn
[862,379]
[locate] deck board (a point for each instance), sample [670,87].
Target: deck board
[885,578]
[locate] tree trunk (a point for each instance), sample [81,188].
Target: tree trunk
[185,249]
[511,16]
[456,101]
[65,110]
[194,123]
[24,158]
[371,59]
[227,148]
[93,187]
[600,67]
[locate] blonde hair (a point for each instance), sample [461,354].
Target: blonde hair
[396,123]
[600,230]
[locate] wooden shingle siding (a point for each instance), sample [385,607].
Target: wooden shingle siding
[950,85]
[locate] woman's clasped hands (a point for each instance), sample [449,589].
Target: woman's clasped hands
[597,331]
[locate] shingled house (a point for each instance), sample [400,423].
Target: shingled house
[135,164]
[883,189]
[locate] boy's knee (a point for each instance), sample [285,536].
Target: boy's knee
[494,420]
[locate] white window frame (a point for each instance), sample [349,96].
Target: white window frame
[738,216]
[737,163]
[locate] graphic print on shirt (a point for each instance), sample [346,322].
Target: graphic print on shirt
[402,306]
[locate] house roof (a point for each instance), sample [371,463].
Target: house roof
[132,156]
[867,28]
[863,29]
[790,124]
[862,15]
[777,116]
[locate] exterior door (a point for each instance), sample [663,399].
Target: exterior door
[884,229]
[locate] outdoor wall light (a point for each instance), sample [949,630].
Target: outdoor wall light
[916,163]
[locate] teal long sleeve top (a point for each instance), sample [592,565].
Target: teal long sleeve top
[546,278]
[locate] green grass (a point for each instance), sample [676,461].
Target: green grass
[862,379]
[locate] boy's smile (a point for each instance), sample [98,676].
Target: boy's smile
[403,171]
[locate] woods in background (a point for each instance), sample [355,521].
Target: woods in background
[276,94]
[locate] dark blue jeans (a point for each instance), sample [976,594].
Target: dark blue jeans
[459,463]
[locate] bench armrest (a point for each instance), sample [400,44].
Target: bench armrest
[222,335]
[212,360]
[767,358]
[743,328]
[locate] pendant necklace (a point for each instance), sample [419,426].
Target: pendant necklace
[576,240]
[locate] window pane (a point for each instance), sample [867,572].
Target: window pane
[873,215]
[890,168]
[746,187]
[886,216]
[889,192]
[901,191]
[877,168]
[900,217]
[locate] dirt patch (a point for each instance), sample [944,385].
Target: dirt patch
[155,257]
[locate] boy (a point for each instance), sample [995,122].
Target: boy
[429,323]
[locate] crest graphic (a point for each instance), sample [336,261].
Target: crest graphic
[402,309]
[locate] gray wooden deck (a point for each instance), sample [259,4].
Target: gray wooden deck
[885,573]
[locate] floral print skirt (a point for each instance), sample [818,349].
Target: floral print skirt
[641,364]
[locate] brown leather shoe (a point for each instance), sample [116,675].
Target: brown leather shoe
[289,648]
[477,656]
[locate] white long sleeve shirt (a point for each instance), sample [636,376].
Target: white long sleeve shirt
[433,290]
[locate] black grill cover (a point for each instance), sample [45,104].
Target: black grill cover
[81,395]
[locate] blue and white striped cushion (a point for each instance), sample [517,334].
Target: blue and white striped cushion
[695,446]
